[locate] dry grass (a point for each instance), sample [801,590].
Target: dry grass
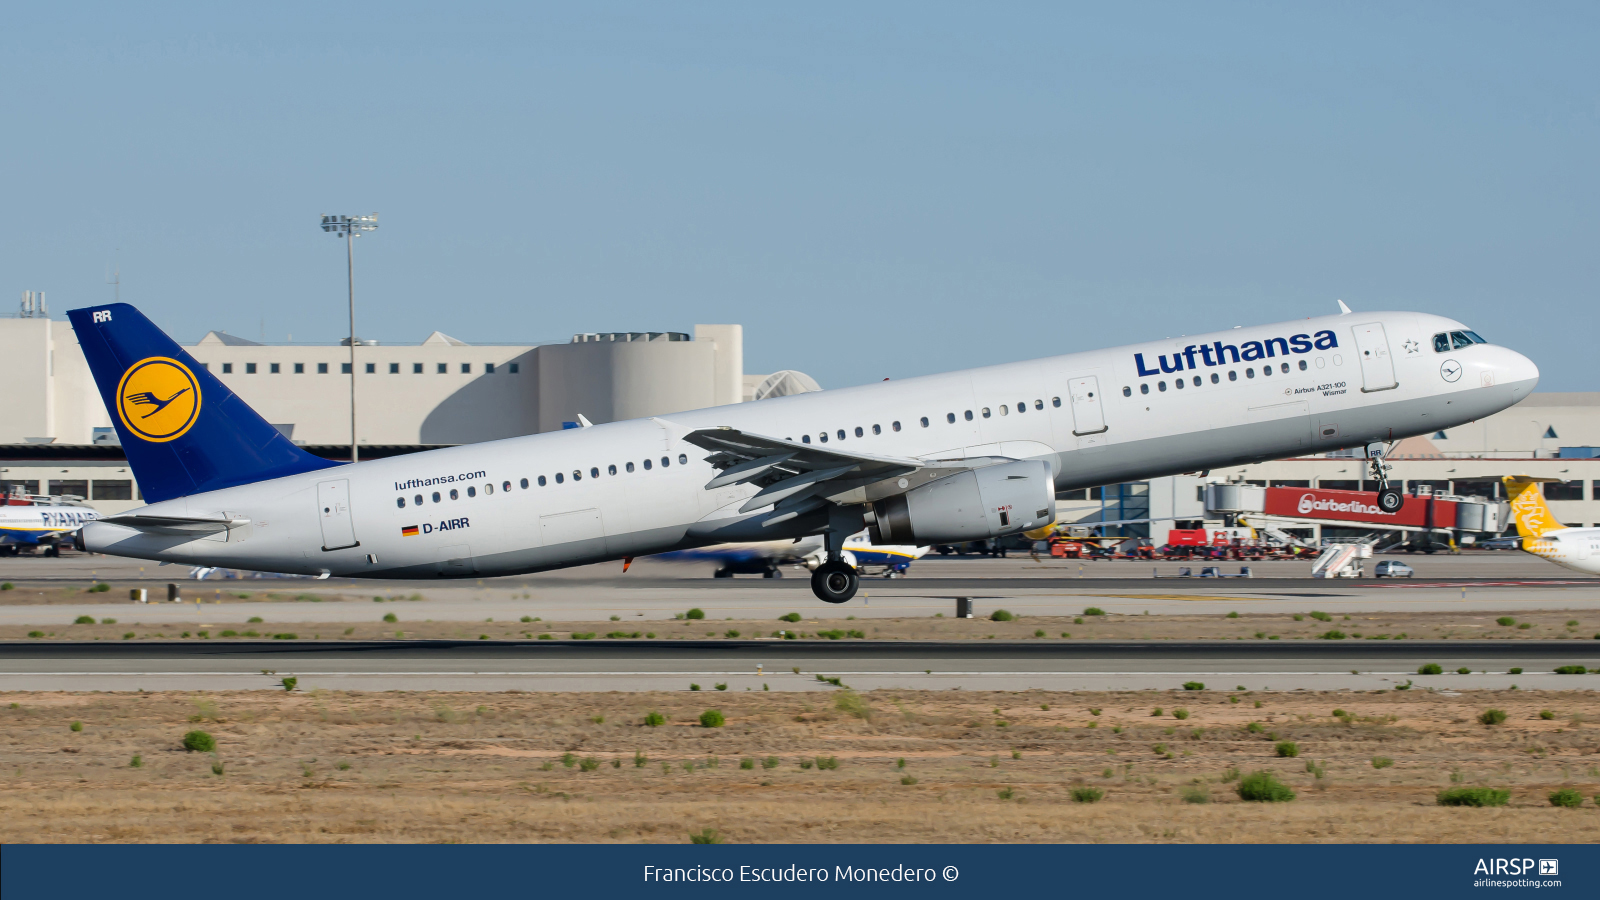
[364,621]
[487,767]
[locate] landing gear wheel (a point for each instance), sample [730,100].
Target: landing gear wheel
[835,582]
[772,573]
[1390,500]
[723,572]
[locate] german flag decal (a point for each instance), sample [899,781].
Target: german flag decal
[408,530]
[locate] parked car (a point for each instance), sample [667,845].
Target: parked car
[1393,568]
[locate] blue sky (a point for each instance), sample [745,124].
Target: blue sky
[872,190]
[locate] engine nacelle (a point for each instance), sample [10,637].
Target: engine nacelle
[972,506]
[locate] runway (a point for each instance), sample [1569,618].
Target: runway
[791,666]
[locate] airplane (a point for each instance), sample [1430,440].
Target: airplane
[1541,534]
[35,522]
[962,456]
[766,558]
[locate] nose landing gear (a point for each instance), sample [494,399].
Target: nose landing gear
[1389,498]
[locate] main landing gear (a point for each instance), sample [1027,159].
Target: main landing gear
[836,581]
[1389,498]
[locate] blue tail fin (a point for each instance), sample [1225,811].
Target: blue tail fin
[182,430]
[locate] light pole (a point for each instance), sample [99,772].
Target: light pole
[351,227]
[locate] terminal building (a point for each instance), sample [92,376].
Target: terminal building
[56,436]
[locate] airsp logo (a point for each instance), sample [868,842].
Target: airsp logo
[158,399]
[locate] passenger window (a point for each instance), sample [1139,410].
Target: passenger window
[859,432]
[986,413]
[1441,343]
[1215,378]
[647,465]
[1055,401]
[1284,368]
[611,469]
[628,467]
[823,437]
[1022,407]
[924,421]
[436,496]
[577,474]
[1005,410]
[683,459]
[1178,383]
[560,478]
[804,439]
[895,425]
[841,434]
[877,429]
[1249,373]
[506,486]
[1232,375]
[400,502]
[1302,365]
[1266,370]
[471,492]
[665,462]
[969,415]
[417,500]
[1127,391]
[594,471]
[525,482]
[1038,404]
[489,488]
[1144,388]
[454,495]
[1161,385]
[950,417]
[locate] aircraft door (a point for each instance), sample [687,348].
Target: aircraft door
[1377,366]
[1088,410]
[333,506]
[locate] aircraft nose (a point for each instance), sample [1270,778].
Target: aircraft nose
[1515,369]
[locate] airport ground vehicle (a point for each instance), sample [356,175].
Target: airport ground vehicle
[970,455]
[1391,568]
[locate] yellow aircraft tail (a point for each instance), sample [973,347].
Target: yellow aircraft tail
[1533,517]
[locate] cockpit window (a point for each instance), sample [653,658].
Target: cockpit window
[1455,340]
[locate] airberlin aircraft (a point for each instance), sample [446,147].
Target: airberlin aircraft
[963,456]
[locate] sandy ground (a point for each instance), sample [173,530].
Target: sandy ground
[365,621]
[990,767]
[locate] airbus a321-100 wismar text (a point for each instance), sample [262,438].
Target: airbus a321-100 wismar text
[962,456]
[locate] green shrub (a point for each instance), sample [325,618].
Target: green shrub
[1156,712]
[747,763]
[827,762]
[1094,611]
[8,586]
[286,636]
[908,779]
[1430,669]
[1196,794]
[1382,762]
[288,684]
[1566,797]
[770,762]
[391,618]
[1288,749]
[1547,714]
[582,635]
[721,685]
[108,621]
[1492,716]
[712,718]
[1180,713]
[1320,616]
[696,613]
[1463,671]
[83,620]
[789,617]
[1232,614]
[1473,796]
[76,726]
[654,718]
[693,686]
[100,588]
[1524,626]
[705,836]
[40,634]
[1005,793]
[254,620]
[1332,635]
[588,764]
[1254,728]
[1262,787]
[1001,615]
[137,762]
[1570,670]
[1505,621]
[199,742]
[1087,795]
[1194,685]
[1515,670]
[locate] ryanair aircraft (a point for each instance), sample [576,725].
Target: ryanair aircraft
[964,456]
[1575,548]
[35,524]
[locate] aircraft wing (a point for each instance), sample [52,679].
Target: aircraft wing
[176,524]
[798,478]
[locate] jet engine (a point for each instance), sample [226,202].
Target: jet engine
[1005,498]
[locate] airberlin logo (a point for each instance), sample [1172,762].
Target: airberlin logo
[1219,354]
[1310,503]
[158,399]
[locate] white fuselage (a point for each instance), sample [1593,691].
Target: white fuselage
[464,510]
[1577,549]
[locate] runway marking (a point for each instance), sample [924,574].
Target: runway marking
[696,672]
